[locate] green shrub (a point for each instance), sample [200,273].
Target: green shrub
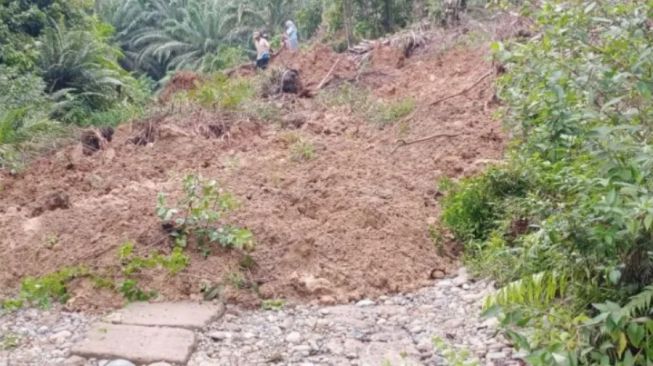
[199,216]
[130,291]
[44,290]
[223,92]
[567,223]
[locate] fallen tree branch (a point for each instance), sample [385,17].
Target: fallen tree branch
[328,75]
[480,80]
[401,143]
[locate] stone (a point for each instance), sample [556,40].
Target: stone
[459,280]
[365,303]
[160,364]
[294,337]
[187,315]
[137,343]
[60,337]
[74,361]
[494,356]
[454,323]
[120,362]
[220,336]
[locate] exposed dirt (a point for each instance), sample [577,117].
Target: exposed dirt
[350,223]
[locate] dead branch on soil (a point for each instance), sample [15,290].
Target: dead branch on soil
[401,143]
[480,80]
[328,75]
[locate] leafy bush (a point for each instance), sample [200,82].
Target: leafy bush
[223,92]
[225,58]
[199,216]
[309,18]
[570,222]
[130,291]
[42,291]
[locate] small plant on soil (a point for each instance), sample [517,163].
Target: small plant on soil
[302,151]
[132,292]
[348,94]
[273,304]
[176,262]
[388,113]
[9,341]
[454,356]
[198,216]
[43,291]
[236,280]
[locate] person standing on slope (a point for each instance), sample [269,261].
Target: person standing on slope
[290,37]
[262,51]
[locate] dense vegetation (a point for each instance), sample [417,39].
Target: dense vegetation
[566,224]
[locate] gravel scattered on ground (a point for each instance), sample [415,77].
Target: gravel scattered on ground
[390,330]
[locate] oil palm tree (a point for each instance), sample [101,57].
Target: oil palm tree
[184,34]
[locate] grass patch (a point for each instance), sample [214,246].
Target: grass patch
[388,113]
[9,341]
[302,150]
[273,304]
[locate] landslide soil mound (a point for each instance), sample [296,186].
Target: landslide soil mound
[351,222]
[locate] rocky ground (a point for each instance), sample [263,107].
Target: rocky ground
[393,330]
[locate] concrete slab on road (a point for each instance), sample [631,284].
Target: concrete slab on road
[189,315]
[140,344]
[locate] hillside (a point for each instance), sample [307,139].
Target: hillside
[347,222]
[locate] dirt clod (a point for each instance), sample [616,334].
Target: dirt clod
[96,139]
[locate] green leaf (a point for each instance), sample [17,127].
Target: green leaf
[648,220]
[622,343]
[614,276]
[636,334]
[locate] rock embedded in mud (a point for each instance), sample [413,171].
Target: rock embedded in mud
[58,200]
[364,303]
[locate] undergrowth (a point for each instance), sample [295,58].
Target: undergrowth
[566,225]
[221,91]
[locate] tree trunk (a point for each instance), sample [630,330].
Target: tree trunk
[347,14]
[387,15]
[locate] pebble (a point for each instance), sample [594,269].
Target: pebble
[293,337]
[365,302]
[220,336]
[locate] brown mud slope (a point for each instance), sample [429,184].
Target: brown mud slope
[350,223]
